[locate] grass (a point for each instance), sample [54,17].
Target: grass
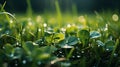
[59,39]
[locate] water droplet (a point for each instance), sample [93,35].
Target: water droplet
[42,42]
[30,23]
[63,29]
[78,56]
[65,64]
[45,25]
[7,32]
[17,43]
[73,56]
[106,27]
[68,25]
[0,29]
[82,51]
[38,62]
[24,61]
[11,21]
[60,52]
[66,46]
[62,55]
[39,30]
[3,47]
[11,55]
[115,55]
[107,49]
[34,43]
[98,45]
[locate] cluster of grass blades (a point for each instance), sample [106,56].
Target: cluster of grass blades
[90,42]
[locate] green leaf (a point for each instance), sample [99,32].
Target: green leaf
[95,34]
[72,40]
[18,52]
[71,30]
[100,43]
[110,45]
[69,41]
[43,53]
[41,42]
[30,45]
[83,34]
[59,36]
[4,39]
[8,49]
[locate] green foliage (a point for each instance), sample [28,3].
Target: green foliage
[84,36]
[43,44]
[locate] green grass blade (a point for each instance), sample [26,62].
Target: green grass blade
[111,57]
[59,15]
[29,8]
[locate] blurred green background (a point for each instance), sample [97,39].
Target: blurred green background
[65,5]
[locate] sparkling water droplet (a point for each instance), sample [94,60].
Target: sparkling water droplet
[73,56]
[115,55]
[12,55]
[78,56]
[68,25]
[42,42]
[38,62]
[45,25]
[62,55]
[24,61]
[39,30]
[0,29]
[34,43]
[82,51]
[11,21]
[63,29]
[98,45]
[107,49]
[17,43]
[60,52]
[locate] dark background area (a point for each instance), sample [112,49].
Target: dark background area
[49,5]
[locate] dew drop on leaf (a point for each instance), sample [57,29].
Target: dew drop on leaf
[24,61]
[39,62]
[107,49]
[78,56]
[82,51]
